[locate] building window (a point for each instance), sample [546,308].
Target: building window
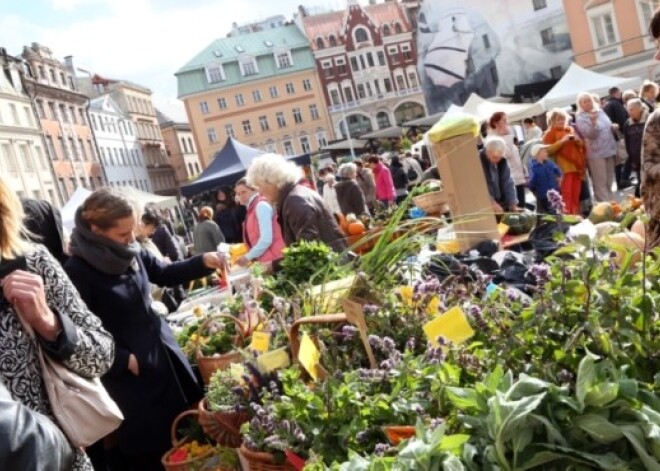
[354,64]
[603,28]
[204,107]
[556,72]
[307,85]
[41,112]
[284,60]
[51,147]
[74,149]
[28,116]
[400,83]
[394,54]
[72,113]
[412,79]
[82,149]
[249,68]
[281,121]
[222,103]
[386,30]
[648,8]
[288,147]
[273,91]
[319,43]
[14,114]
[334,97]
[341,67]
[304,145]
[28,165]
[314,111]
[407,52]
[215,73]
[53,110]
[397,28]
[320,138]
[381,58]
[361,35]
[539,4]
[229,130]
[348,94]
[289,89]
[239,99]
[63,114]
[247,127]
[547,36]
[360,91]
[256,96]
[263,122]
[370,59]
[42,72]
[297,115]
[211,134]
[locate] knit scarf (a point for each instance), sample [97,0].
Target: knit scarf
[105,255]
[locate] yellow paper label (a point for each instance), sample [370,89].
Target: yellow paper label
[452,325]
[260,341]
[237,371]
[275,360]
[309,356]
[502,229]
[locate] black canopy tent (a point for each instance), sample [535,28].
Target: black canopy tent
[229,165]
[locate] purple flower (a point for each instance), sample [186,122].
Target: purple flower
[556,201]
[541,273]
[348,332]
[410,344]
[381,448]
[564,376]
[362,437]
[475,312]
[435,423]
[512,295]
[370,309]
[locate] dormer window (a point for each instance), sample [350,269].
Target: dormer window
[361,35]
[397,28]
[239,49]
[386,30]
[248,66]
[215,73]
[319,43]
[332,40]
[283,59]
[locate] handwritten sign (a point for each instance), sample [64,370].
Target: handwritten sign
[309,356]
[275,360]
[260,341]
[452,325]
[355,315]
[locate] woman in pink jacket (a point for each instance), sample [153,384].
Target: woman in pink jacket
[385,192]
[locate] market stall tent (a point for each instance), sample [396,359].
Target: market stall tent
[229,165]
[482,109]
[68,211]
[578,79]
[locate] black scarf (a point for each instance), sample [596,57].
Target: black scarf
[100,252]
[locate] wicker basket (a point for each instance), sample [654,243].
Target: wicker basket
[259,461]
[188,465]
[223,427]
[434,202]
[209,365]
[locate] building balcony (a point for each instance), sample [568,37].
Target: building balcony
[341,107]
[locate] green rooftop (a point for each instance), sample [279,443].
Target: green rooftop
[192,77]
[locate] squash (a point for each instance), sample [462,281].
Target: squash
[622,242]
[356,228]
[519,223]
[601,212]
[341,221]
[639,228]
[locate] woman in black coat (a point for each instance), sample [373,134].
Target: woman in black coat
[399,178]
[150,378]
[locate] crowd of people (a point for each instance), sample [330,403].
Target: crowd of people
[92,307]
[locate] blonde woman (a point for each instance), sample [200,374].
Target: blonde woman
[568,150]
[596,129]
[649,94]
[66,330]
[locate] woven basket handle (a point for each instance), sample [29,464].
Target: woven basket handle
[175,423]
[213,317]
[218,417]
[321,319]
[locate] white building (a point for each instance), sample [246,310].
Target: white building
[23,162]
[268,23]
[118,145]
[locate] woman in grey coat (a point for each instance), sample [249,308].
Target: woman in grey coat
[207,235]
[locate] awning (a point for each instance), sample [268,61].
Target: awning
[387,133]
[346,145]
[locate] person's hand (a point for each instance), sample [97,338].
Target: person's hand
[497,208]
[133,366]
[215,260]
[515,209]
[242,261]
[25,291]
[615,126]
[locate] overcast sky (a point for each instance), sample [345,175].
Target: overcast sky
[145,41]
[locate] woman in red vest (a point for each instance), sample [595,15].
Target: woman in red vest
[261,231]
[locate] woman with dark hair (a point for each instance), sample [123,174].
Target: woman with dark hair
[385,192]
[399,178]
[150,378]
[650,170]
[228,217]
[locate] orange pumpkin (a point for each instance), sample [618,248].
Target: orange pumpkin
[356,228]
[341,220]
[397,433]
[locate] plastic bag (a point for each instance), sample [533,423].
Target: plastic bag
[452,126]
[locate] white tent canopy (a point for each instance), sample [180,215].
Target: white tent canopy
[577,80]
[137,197]
[482,109]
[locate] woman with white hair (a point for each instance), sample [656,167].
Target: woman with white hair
[330,193]
[595,127]
[349,194]
[500,183]
[302,213]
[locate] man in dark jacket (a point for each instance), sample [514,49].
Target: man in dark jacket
[44,223]
[633,133]
[165,242]
[349,194]
[29,440]
[501,188]
[616,111]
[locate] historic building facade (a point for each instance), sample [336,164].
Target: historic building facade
[367,61]
[23,159]
[180,147]
[261,88]
[118,146]
[61,109]
[612,36]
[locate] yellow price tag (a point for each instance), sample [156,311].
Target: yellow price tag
[275,360]
[502,229]
[237,371]
[309,356]
[452,325]
[260,341]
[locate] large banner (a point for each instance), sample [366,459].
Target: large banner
[488,47]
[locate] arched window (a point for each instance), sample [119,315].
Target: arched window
[319,43]
[397,28]
[383,120]
[332,40]
[386,30]
[361,35]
